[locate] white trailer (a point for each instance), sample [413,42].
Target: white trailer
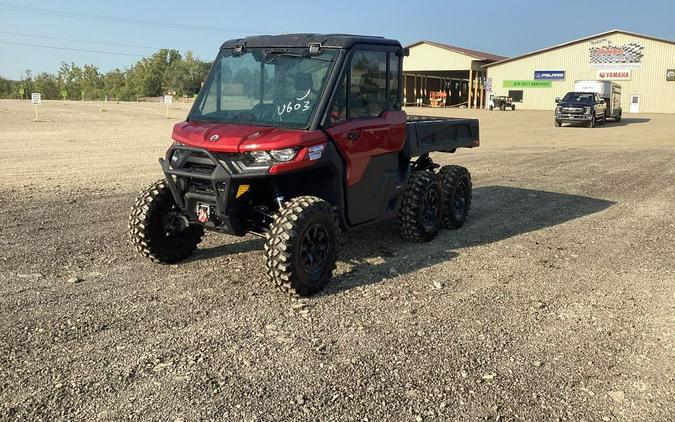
[608,91]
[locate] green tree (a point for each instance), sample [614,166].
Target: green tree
[115,85]
[92,83]
[69,78]
[185,76]
[47,85]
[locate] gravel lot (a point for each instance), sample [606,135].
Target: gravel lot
[555,302]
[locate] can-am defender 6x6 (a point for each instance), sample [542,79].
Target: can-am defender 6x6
[294,138]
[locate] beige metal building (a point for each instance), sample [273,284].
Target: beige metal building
[457,72]
[644,66]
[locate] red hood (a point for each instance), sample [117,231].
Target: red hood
[228,137]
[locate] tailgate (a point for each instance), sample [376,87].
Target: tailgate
[438,134]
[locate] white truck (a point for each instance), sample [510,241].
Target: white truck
[609,91]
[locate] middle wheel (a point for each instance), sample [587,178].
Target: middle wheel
[419,217]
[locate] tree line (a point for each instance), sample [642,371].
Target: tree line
[165,72]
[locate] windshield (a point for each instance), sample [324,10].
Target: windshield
[264,86]
[579,97]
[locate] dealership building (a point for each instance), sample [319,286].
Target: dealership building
[444,75]
[644,66]
[454,72]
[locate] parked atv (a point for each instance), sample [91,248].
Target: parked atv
[501,103]
[295,138]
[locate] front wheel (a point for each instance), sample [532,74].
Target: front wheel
[513,107]
[301,246]
[591,123]
[557,123]
[158,229]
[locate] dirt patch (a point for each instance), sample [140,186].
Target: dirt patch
[554,302]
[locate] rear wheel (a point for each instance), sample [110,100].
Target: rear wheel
[158,229]
[301,246]
[513,107]
[456,186]
[420,215]
[491,107]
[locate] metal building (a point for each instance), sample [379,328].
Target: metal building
[644,66]
[444,75]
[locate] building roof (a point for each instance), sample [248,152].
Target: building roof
[478,55]
[602,34]
[303,40]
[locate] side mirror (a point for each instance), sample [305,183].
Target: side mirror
[557,99]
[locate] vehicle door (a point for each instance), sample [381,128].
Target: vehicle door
[600,105]
[368,127]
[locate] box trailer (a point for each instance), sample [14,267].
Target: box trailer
[608,91]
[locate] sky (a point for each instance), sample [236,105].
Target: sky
[118,33]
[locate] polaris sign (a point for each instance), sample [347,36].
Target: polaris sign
[550,75]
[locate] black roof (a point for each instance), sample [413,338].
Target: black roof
[303,40]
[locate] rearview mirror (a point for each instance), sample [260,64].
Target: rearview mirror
[557,99]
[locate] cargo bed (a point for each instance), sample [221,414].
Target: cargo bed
[425,134]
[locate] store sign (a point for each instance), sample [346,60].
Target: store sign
[527,84]
[613,75]
[627,56]
[552,75]
[670,75]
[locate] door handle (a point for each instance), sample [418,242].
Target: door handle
[353,135]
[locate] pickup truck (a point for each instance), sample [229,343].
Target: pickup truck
[297,138]
[585,107]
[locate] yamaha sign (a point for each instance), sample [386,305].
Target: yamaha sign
[613,75]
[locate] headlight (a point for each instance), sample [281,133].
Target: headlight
[260,157]
[268,157]
[558,109]
[587,110]
[283,155]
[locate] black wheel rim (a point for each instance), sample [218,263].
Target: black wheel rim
[459,201]
[430,209]
[170,223]
[314,248]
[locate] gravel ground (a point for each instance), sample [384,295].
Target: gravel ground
[555,302]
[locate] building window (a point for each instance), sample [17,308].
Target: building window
[516,96]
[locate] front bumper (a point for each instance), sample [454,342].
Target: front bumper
[564,117]
[200,177]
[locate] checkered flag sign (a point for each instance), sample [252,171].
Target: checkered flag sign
[627,53]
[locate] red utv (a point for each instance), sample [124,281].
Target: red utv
[294,138]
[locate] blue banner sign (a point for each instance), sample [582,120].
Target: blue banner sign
[550,75]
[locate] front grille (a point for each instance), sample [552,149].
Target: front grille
[200,186]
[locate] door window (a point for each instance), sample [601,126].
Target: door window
[368,84]
[394,94]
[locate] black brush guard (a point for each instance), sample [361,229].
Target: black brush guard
[215,172]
